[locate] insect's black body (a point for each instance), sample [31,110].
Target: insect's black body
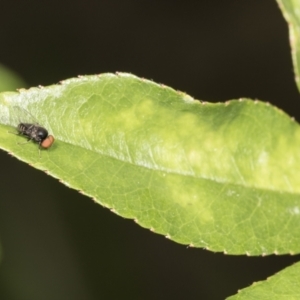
[33,132]
[27,126]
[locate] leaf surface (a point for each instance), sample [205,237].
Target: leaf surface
[220,176]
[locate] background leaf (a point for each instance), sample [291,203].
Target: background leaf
[282,286]
[219,176]
[9,81]
[291,12]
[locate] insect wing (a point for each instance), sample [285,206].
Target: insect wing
[21,115]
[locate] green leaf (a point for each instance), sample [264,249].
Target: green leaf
[282,286]
[291,12]
[219,176]
[9,81]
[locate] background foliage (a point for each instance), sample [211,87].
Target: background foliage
[61,226]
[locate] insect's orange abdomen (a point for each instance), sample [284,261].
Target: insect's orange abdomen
[47,142]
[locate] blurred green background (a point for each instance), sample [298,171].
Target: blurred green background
[59,244]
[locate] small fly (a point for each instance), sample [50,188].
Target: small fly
[33,131]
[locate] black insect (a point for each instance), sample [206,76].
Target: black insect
[29,127]
[36,133]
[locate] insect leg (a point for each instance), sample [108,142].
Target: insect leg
[16,133]
[28,140]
